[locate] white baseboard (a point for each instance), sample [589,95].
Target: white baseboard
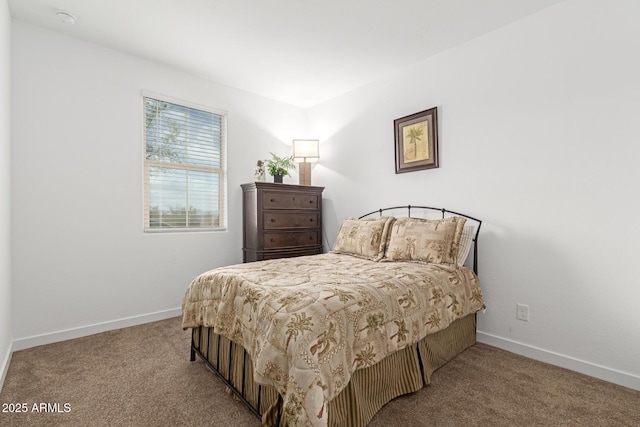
[82,331]
[567,362]
[5,365]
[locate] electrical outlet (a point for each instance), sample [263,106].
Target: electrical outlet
[522,312]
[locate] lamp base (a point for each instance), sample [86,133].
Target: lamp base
[305,173]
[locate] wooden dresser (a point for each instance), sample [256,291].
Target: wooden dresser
[280,220]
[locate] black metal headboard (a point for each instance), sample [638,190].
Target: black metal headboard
[444,213]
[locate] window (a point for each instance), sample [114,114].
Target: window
[184,167]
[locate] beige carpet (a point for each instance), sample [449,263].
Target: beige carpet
[141,376]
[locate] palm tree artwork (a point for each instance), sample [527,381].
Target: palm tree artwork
[343,296]
[434,320]
[375,322]
[415,147]
[366,357]
[297,324]
[326,341]
[402,331]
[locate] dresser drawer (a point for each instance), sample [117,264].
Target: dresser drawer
[291,253]
[289,200]
[290,238]
[279,220]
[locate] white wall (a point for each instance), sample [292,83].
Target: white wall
[80,258]
[539,138]
[5,190]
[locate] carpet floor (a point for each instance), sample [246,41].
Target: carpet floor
[141,376]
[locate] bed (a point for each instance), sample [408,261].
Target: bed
[327,340]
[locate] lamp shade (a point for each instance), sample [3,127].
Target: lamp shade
[304,149]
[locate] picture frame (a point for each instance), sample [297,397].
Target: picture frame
[416,141]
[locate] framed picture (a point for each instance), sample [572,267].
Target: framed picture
[417,141]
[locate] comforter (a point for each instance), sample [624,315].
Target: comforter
[310,322]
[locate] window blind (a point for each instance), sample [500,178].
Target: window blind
[184,167]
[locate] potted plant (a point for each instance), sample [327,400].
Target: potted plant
[279,166]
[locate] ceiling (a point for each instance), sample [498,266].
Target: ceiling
[301,52]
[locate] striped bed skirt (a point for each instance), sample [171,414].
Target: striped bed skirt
[402,372]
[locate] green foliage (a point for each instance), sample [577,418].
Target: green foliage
[161,143]
[279,165]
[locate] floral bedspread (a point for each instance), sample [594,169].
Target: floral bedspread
[309,322]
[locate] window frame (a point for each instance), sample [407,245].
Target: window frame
[221,170]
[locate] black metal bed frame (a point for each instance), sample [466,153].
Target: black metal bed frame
[240,394]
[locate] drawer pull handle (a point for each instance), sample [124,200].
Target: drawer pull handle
[272,240]
[273,220]
[311,219]
[273,200]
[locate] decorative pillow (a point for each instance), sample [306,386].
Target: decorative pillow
[364,238]
[466,241]
[424,240]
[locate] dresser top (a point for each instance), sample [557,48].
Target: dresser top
[277,186]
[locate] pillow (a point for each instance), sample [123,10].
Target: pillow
[466,241]
[423,240]
[364,238]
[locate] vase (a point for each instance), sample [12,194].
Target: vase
[258,172]
[277,179]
